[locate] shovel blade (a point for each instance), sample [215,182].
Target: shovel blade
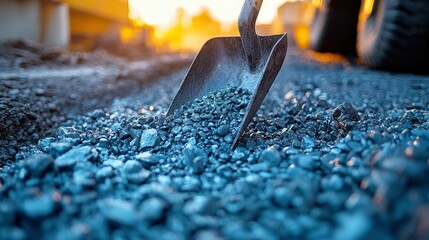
[222,62]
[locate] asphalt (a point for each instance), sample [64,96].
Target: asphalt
[336,151]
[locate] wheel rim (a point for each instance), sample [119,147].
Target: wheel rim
[319,6]
[370,31]
[369,12]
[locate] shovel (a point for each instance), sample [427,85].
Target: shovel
[251,62]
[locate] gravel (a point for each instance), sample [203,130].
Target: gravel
[270,155]
[345,111]
[40,87]
[38,164]
[307,168]
[118,211]
[149,138]
[38,207]
[70,158]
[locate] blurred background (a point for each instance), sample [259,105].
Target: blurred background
[136,28]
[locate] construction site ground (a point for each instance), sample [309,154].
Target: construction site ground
[337,151]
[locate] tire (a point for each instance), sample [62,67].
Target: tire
[334,27]
[395,36]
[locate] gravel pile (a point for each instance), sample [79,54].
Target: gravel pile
[305,169]
[335,152]
[34,102]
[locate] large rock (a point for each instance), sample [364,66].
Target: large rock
[118,211]
[194,158]
[271,156]
[38,207]
[345,112]
[153,209]
[149,138]
[147,159]
[38,164]
[70,158]
[306,161]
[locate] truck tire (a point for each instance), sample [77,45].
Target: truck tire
[395,35]
[334,27]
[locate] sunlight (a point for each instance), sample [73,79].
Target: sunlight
[368,6]
[184,25]
[161,13]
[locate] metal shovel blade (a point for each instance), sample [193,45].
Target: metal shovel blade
[224,62]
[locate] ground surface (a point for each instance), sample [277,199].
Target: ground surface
[336,152]
[40,87]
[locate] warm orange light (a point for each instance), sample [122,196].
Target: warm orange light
[368,6]
[126,34]
[302,36]
[326,58]
[187,24]
[317,3]
[162,12]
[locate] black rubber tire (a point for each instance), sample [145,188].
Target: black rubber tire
[334,27]
[395,36]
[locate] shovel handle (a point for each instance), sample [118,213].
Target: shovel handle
[246,27]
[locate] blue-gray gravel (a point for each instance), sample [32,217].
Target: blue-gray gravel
[300,171]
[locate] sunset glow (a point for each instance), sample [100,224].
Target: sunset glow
[184,25]
[161,13]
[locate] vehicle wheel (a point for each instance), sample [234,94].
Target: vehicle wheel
[334,26]
[394,34]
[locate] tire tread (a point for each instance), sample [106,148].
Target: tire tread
[403,44]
